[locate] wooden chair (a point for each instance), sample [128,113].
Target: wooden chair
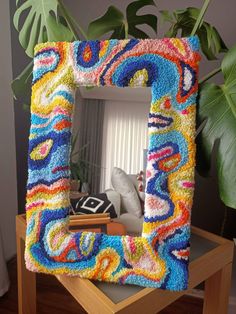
[210,262]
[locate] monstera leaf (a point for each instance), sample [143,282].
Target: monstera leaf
[184,21]
[134,19]
[115,21]
[112,20]
[218,106]
[41,23]
[23,81]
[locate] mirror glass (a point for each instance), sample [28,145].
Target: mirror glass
[108,157]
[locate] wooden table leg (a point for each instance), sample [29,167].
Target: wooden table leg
[217,289]
[26,282]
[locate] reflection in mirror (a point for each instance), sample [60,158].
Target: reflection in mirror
[108,158]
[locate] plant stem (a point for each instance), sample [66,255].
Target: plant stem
[222,229]
[71,22]
[200,17]
[209,75]
[126,29]
[200,128]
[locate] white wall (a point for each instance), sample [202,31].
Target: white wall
[8,196]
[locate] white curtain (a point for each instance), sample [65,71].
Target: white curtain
[124,138]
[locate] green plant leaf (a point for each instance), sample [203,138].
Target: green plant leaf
[114,21]
[183,21]
[41,23]
[166,16]
[133,19]
[23,81]
[217,105]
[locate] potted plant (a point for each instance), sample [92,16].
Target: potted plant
[217,103]
[78,167]
[74,176]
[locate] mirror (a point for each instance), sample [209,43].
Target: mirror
[158,258]
[117,119]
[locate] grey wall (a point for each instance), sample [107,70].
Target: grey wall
[208,211]
[8,192]
[22,117]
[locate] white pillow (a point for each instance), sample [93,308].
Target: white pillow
[134,179]
[129,197]
[114,198]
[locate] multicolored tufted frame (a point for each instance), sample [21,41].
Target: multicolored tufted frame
[159,258]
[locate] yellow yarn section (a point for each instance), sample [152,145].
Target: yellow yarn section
[140,78]
[103,50]
[41,150]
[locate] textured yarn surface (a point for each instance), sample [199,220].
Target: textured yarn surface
[158,258]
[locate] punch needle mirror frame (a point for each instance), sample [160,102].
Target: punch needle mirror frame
[158,258]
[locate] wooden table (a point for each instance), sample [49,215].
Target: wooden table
[210,262]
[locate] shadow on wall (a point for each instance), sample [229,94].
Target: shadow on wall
[208,211]
[22,116]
